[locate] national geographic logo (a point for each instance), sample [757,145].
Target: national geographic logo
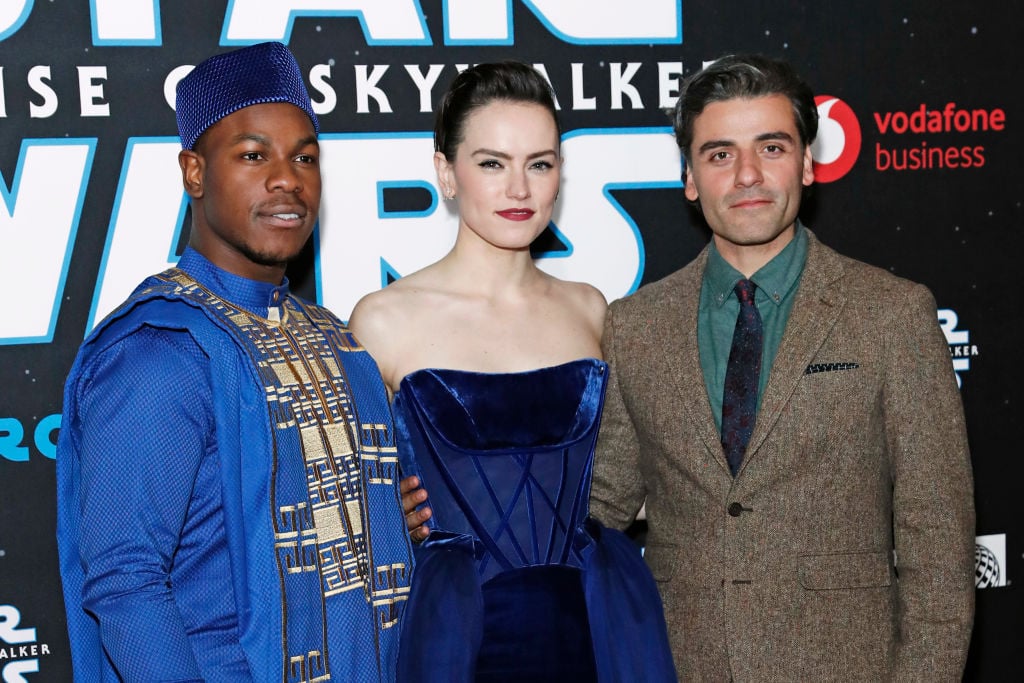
[990,561]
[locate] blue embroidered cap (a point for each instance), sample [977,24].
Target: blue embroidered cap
[225,83]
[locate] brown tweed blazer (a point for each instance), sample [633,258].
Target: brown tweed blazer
[843,549]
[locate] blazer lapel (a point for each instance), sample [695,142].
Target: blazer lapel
[681,310]
[819,300]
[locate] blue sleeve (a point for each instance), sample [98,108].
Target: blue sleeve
[146,422]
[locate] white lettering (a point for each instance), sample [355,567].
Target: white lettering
[171,83]
[668,83]
[424,83]
[3,100]
[384,22]
[90,92]
[489,22]
[366,87]
[360,244]
[579,100]
[543,71]
[466,22]
[37,80]
[477,22]
[620,85]
[367,241]
[37,231]
[125,22]
[148,212]
[606,247]
[12,672]
[611,21]
[10,617]
[948,320]
[319,80]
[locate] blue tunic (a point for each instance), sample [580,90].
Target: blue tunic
[228,505]
[515,583]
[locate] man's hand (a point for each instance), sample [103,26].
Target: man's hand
[415,520]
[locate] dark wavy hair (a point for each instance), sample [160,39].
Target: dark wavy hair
[480,85]
[743,76]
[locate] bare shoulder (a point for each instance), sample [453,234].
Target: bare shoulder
[389,322]
[386,308]
[379,318]
[372,315]
[586,301]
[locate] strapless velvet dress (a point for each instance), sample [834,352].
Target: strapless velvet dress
[515,582]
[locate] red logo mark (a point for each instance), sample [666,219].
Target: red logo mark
[837,146]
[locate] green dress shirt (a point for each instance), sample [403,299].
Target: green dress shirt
[776,281]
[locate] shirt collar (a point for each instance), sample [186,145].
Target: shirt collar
[252,295]
[775,280]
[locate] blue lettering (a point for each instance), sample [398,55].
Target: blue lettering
[46,427]
[11,434]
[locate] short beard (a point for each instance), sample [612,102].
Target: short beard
[263,259]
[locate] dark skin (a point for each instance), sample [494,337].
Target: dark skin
[415,520]
[254,183]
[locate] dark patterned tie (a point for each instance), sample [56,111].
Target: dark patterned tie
[739,399]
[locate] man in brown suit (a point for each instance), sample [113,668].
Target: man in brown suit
[837,543]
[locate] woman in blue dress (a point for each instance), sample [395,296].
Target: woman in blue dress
[498,384]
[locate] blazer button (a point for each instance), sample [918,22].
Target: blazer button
[735,509]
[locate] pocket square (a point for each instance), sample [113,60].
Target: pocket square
[829,367]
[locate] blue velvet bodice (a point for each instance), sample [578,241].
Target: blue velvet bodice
[505,458]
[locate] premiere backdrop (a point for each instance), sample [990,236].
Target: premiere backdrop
[918,164]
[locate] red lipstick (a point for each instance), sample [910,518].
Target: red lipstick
[516,214]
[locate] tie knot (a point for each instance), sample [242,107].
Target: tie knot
[745,291]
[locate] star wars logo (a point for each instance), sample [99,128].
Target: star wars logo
[960,347]
[19,650]
[37,233]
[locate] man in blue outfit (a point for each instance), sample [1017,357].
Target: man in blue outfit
[228,496]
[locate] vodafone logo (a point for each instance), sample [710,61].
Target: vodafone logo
[908,147]
[837,146]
